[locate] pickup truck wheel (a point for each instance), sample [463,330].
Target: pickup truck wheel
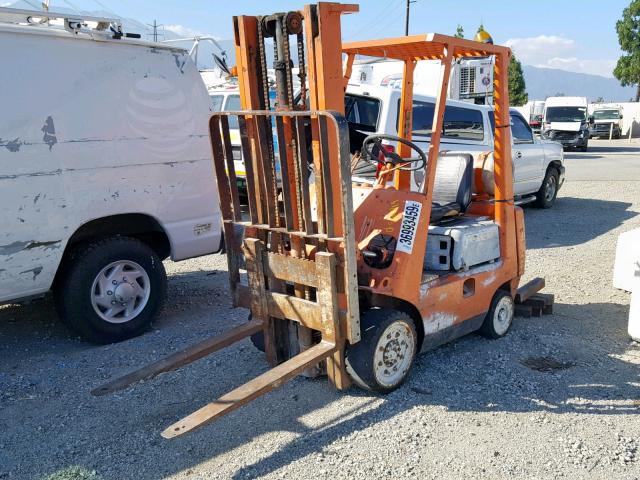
[111,289]
[382,359]
[546,196]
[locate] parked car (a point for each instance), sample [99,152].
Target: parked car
[605,122]
[565,121]
[105,170]
[535,122]
[468,128]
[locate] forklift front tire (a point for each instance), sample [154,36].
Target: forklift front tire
[382,359]
[499,317]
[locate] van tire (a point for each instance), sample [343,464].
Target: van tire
[78,291]
[544,197]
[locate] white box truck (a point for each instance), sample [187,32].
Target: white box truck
[105,170]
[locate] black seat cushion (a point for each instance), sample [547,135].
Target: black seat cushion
[454,179]
[442,210]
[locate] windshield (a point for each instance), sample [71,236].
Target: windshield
[566,114]
[606,115]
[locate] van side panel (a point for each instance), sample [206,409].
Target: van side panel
[90,129]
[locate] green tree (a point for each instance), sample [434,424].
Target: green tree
[517,87]
[628,27]
[459,32]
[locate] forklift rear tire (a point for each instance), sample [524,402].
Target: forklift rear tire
[382,359]
[499,317]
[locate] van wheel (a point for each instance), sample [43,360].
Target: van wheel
[111,289]
[546,196]
[499,317]
[382,359]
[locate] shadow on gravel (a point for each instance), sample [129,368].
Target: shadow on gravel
[544,365]
[35,326]
[613,148]
[578,360]
[583,157]
[572,221]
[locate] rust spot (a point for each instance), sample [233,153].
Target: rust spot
[49,131]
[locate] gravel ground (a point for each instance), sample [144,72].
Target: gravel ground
[472,409]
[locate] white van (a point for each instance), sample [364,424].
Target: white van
[105,170]
[565,121]
[468,128]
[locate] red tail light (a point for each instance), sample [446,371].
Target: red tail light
[386,148]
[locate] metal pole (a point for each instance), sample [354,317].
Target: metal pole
[406,23]
[610,130]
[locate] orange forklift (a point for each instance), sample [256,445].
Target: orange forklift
[344,279]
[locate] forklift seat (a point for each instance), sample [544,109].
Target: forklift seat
[453,185]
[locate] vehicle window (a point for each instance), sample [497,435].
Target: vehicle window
[463,123]
[232,105]
[520,130]
[216,102]
[362,112]
[422,117]
[459,122]
[566,114]
[606,115]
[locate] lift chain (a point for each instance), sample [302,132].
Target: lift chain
[266,106]
[302,72]
[294,149]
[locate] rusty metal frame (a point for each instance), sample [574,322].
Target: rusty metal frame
[323,231]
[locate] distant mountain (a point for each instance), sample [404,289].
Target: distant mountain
[546,82]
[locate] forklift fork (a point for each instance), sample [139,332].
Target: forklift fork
[315,289]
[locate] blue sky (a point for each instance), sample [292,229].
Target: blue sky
[573,35]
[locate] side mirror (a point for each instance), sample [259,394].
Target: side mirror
[620,117]
[591,120]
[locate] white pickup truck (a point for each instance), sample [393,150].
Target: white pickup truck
[468,128]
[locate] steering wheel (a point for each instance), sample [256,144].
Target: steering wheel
[372,147]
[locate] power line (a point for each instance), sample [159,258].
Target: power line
[75,7]
[106,9]
[378,18]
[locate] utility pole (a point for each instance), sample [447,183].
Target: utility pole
[406,23]
[155,26]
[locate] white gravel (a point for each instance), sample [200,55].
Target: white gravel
[469,410]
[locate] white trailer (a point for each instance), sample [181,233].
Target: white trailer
[471,79]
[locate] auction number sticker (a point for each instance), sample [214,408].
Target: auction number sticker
[409,226]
